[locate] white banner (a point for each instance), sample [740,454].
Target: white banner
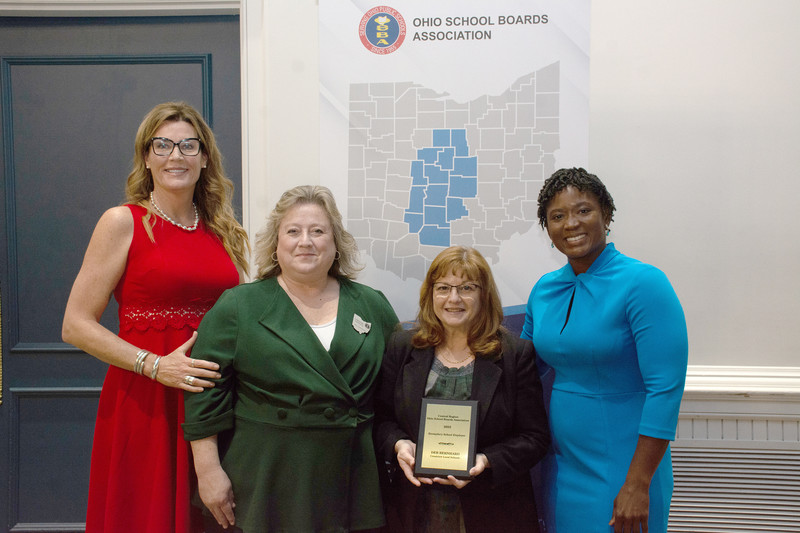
[439,122]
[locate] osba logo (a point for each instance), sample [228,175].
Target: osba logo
[382,30]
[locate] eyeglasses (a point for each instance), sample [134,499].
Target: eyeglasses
[466,291]
[163,146]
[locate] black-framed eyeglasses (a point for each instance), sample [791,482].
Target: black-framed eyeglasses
[466,291]
[163,146]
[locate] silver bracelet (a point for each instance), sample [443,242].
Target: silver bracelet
[138,366]
[154,372]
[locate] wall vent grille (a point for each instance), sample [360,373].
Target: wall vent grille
[735,490]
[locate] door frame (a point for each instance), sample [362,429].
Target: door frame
[141,8]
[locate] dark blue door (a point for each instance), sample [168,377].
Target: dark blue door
[73,92]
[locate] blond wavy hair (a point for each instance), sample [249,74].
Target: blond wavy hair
[483,337]
[213,193]
[346,265]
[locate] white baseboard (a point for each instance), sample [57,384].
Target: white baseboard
[740,408]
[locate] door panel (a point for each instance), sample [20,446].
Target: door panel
[73,93]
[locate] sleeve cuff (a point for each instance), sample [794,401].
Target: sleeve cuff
[206,428]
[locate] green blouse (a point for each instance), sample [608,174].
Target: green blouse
[447,383]
[443,505]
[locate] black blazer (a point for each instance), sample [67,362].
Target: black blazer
[512,433]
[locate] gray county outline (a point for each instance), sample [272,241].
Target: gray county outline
[514,136]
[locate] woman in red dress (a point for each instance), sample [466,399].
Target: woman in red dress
[166,255]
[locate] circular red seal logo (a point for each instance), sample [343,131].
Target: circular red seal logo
[382,30]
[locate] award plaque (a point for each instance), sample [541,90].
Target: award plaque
[446,443]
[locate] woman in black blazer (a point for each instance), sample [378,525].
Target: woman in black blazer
[460,351]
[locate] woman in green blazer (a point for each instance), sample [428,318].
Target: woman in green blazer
[283,441]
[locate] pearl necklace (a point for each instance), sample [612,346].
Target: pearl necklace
[441,352]
[166,217]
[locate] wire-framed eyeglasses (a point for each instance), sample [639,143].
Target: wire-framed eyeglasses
[465,290]
[163,146]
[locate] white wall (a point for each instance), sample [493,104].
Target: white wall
[694,127]
[280,102]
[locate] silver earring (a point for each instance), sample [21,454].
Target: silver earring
[274,257]
[337,256]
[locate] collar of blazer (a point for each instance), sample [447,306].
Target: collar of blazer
[282,318]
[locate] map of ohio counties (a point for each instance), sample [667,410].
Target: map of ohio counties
[426,172]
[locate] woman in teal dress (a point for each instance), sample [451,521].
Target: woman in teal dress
[611,335]
[283,442]
[459,351]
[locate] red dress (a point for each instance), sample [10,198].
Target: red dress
[141,477]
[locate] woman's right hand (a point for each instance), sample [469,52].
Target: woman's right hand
[406,453]
[216,492]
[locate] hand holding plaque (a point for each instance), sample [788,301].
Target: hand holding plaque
[446,442]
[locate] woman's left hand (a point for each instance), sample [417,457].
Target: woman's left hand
[481,464]
[632,504]
[631,509]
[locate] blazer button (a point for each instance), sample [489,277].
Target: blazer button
[329,413]
[353,412]
[282,414]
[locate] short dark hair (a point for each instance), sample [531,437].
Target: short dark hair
[581,180]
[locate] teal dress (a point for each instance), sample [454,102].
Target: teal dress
[613,340]
[444,506]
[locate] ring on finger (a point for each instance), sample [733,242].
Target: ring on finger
[191,362]
[189,380]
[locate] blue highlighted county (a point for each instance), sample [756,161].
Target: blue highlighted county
[465,166]
[414,221]
[418,173]
[459,142]
[455,209]
[436,174]
[416,200]
[446,157]
[436,195]
[428,155]
[435,236]
[443,176]
[463,187]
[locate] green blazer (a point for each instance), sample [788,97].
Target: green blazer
[298,417]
